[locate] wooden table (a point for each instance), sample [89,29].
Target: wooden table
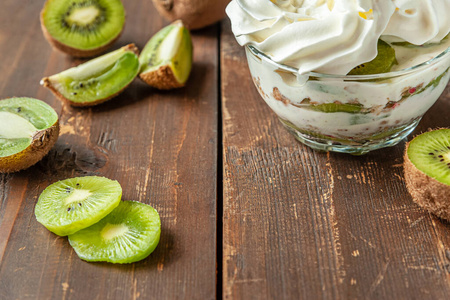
[247,212]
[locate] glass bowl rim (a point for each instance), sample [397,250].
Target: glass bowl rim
[398,73]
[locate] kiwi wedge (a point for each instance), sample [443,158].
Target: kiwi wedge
[97,80]
[382,63]
[82,28]
[28,130]
[166,60]
[128,234]
[70,205]
[427,171]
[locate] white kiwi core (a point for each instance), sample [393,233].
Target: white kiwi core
[84,15]
[88,69]
[13,126]
[171,43]
[111,231]
[77,196]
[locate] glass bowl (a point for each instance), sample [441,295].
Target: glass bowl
[349,113]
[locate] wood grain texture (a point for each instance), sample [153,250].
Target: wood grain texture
[300,224]
[161,147]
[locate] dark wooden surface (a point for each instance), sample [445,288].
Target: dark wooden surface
[247,212]
[300,224]
[160,146]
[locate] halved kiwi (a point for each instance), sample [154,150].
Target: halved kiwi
[166,60]
[128,234]
[427,171]
[82,28]
[70,205]
[382,63]
[97,80]
[28,130]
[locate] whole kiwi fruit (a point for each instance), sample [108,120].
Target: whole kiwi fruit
[195,14]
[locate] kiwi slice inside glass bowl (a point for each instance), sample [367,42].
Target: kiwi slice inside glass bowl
[70,205]
[82,28]
[427,171]
[166,60]
[28,130]
[382,63]
[97,80]
[128,234]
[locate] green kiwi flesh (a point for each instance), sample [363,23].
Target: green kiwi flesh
[427,171]
[70,205]
[97,80]
[336,107]
[128,234]
[28,130]
[166,60]
[382,63]
[79,27]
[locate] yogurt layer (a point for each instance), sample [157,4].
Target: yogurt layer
[334,36]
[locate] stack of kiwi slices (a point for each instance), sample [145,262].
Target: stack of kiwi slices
[97,80]
[427,171]
[100,226]
[28,130]
[82,28]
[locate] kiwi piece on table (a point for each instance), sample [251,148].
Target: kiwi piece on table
[28,130]
[82,28]
[97,80]
[128,234]
[382,63]
[70,205]
[427,171]
[166,60]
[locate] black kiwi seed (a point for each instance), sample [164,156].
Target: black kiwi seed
[68,209]
[19,109]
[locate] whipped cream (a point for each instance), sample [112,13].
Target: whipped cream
[334,36]
[420,21]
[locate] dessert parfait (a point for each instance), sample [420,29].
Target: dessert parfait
[346,76]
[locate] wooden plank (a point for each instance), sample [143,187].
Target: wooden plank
[300,224]
[161,147]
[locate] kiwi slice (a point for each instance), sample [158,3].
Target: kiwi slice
[128,234]
[82,28]
[337,107]
[28,130]
[382,63]
[166,60]
[427,171]
[70,205]
[97,80]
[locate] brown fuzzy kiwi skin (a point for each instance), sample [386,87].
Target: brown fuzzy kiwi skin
[43,141]
[74,51]
[161,78]
[47,83]
[195,14]
[426,191]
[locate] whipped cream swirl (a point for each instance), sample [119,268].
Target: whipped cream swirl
[333,36]
[420,21]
